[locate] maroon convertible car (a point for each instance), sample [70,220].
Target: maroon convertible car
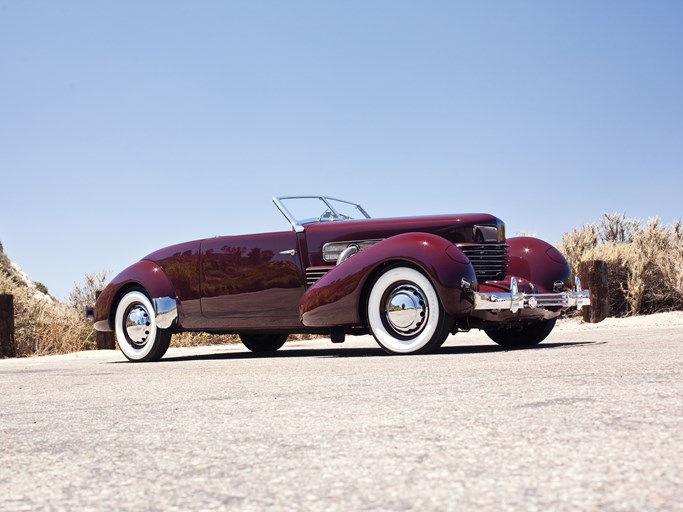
[409,281]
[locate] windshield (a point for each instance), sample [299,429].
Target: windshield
[301,210]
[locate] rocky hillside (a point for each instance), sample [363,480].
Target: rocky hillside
[13,280]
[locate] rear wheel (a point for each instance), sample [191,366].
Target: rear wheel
[521,335]
[137,333]
[263,342]
[404,312]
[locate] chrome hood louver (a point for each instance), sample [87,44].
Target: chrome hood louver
[490,261]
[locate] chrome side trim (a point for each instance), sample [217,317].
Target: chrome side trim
[332,251]
[514,300]
[313,274]
[166,311]
[347,253]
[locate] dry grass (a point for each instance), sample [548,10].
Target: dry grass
[645,261]
[43,325]
[194,339]
[42,330]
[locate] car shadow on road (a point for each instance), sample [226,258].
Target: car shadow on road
[368,352]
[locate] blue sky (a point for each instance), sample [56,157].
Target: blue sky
[130,125]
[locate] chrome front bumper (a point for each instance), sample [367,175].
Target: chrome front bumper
[514,300]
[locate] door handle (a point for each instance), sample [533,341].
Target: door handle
[289,252]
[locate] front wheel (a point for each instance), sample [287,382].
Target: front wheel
[521,335]
[404,312]
[139,337]
[263,342]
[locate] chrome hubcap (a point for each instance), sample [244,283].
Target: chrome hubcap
[406,309]
[137,325]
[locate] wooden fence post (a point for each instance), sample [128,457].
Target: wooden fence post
[8,347]
[593,275]
[104,340]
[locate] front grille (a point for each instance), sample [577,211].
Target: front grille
[490,261]
[315,273]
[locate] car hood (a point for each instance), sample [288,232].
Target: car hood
[457,228]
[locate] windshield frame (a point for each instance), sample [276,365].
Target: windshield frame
[298,224]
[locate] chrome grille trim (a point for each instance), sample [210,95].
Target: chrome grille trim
[315,273]
[490,261]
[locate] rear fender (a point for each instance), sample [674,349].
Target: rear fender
[338,297]
[145,274]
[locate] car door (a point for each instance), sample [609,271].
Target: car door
[252,281]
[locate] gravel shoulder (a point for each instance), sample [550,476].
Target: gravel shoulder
[590,419]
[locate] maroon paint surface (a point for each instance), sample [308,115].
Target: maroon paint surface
[146,274]
[246,283]
[538,262]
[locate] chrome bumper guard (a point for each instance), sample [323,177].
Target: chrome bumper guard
[166,310]
[514,300]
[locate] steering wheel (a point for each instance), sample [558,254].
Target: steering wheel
[327,215]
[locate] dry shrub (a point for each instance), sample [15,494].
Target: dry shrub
[85,293]
[577,243]
[617,228]
[41,330]
[43,325]
[645,262]
[193,339]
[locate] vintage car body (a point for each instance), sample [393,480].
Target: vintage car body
[409,281]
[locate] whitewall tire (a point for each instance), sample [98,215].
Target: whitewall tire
[404,312]
[137,333]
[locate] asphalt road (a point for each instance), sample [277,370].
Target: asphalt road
[592,419]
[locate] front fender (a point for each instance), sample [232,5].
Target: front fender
[538,262]
[144,273]
[338,297]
